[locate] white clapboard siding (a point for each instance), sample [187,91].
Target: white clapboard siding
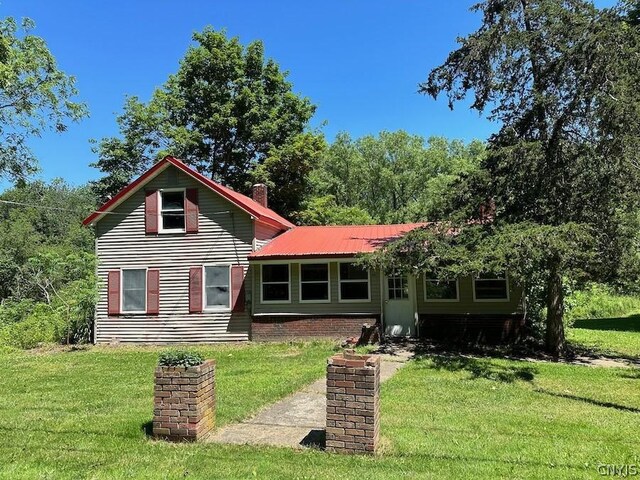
[264,234]
[225,236]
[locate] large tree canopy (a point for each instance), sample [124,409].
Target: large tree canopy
[389,178]
[223,112]
[560,78]
[34,96]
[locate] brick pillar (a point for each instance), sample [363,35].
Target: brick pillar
[184,402]
[353,403]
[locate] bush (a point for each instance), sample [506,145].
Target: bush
[180,358]
[599,301]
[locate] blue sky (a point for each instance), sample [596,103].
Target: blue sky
[359,61]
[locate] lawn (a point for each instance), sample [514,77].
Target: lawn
[82,414]
[610,336]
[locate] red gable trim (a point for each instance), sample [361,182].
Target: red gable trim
[243,202]
[126,192]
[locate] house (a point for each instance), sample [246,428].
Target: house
[184,259]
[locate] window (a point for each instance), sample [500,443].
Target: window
[398,287]
[490,288]
[172,210]
[314,282]
[216,287]
[134,291]
[275,283]
[354,283]
[440,290]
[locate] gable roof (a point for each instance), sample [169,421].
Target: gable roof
[253,208]
[331,241]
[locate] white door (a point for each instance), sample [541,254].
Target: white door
[398,306]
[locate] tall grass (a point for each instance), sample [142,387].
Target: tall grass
[599,301]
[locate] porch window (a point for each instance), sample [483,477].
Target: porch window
[275,283]
[172,210]
[440,290]
[216,287]
[398,287]
[314,282]
[488,288]
[134,290]
[354,283]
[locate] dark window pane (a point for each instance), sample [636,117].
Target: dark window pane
[171,221]
[443,290]
[491,289]
[349,271]
[172,200]
[310,272]
[354,291]
[275,292]
[275,273]
[217,296]
[314,291]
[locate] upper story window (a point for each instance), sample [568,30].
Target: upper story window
[276,283]
[440,290]
[490,289]
[172,218]
[314,282]
[354,283]
[216,287]
[134,290]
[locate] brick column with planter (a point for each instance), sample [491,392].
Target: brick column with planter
[184,402]
[353,403]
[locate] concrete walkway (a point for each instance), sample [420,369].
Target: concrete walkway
[298,420]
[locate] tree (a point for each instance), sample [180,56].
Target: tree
[560,78]
[393,177]
[34,96]
[223,112]
[286,171]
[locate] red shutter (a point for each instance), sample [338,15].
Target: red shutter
[113,292]
[237,288]
[153,292]
[195,290]
[151,211]
[191,210]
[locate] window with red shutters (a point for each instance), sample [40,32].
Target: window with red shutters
[153,292]
[237,288]
[113,292]
[195,290]
[151,211]
[191,210]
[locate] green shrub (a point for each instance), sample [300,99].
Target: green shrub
[599,301]
[180,358]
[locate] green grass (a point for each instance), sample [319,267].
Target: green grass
[610,336]
[82,415]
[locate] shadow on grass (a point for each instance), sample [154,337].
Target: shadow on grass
[621,324]
[590,401]
[482,368]
[147,428]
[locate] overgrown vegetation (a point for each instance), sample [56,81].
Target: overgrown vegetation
[47,265]
[599,301]
[180,358]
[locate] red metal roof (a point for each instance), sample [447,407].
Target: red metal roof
[262,214]
[331,241]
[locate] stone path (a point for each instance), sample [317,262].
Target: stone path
[298,420]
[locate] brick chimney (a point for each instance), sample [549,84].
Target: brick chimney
[260,193]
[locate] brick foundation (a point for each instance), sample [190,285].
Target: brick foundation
[353,403]
[279,328]
[473,328]
[184,402]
